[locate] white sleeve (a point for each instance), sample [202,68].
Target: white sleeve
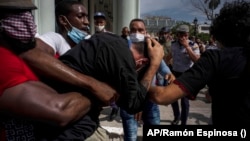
[55,41]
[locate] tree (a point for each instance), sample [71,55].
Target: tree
[207,7]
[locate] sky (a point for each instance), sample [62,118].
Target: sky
[175,9]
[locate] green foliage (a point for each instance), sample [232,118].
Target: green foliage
[213,4]
[203,36]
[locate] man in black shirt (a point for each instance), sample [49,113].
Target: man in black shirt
[225,71]
[108,58]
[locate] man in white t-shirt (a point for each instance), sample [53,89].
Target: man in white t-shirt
[73,26]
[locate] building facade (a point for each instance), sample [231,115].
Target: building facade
[118,13]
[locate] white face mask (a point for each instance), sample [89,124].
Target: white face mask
[99,28]
[137,37]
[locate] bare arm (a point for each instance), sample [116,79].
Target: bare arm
[37,101]
[43,62]
[166,95]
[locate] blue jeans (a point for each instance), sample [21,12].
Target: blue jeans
[150,116]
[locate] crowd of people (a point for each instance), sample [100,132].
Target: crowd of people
[53,86]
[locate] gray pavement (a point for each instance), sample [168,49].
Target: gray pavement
[199,114]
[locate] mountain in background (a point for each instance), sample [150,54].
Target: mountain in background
[179,15]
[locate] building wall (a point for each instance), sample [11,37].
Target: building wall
[44,15]
[203,28]
[118,13]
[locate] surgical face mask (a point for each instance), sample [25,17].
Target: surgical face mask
[99,28]
[137,37]
[75,34]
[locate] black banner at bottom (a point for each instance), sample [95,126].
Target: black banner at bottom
[201,132]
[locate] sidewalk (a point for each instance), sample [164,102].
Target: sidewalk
[199,114]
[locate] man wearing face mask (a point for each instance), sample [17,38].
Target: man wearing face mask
[150,114]
[24,100]
[100,22]
[73,26]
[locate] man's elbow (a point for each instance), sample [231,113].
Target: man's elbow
[66,113]
[157,99]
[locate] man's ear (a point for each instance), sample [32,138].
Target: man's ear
[63,21]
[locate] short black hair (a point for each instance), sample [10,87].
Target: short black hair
[136,20]
[65,7]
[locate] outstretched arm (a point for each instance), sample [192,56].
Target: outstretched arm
[167,94]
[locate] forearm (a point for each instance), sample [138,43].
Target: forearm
[148,76]
[46,65]
[165,95]
[74,107]
[37,101]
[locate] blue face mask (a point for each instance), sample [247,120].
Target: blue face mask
[77,35]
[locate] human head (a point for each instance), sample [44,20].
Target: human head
[71,13]
[231,28]
[138,32]
[16,14]
[100,21]
[182,31]
[164,34]
[165,30]
[125,31]
[137,26]
[72,20]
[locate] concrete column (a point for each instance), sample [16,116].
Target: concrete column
[45,15]
[91,12]
[124,12]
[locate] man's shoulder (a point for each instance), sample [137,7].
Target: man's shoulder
[49,34]
[51,37]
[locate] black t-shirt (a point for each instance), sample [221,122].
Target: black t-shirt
[225,73]
[107,58]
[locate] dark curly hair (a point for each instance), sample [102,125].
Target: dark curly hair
[232,26]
